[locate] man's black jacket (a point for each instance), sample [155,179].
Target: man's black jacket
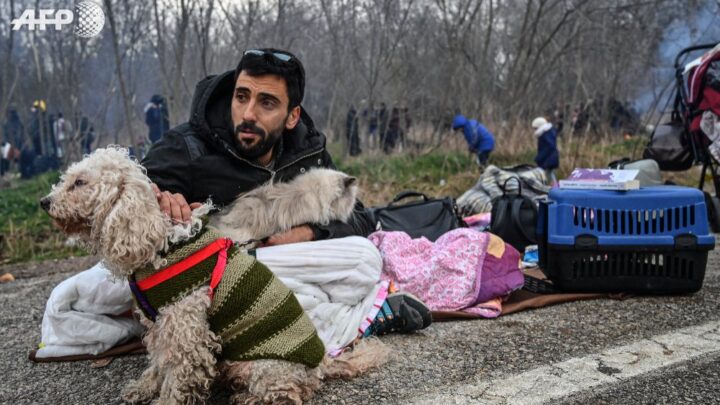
[198,159]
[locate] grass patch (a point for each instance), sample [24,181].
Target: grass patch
[436,174]
[627,147]
[451,171]
[26,231]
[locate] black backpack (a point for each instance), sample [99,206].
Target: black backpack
[513,217]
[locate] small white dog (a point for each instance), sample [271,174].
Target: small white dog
[268,348]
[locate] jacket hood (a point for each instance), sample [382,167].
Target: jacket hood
[210,117]
[459,121]
[544,128]
[538,122]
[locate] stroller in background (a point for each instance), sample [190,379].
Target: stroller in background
[682,142]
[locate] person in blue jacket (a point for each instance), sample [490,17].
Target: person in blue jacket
[156,117]
[547,156]
[479,139]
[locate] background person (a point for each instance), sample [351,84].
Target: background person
[480,141]
[548,157]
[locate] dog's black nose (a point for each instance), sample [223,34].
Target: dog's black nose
[45,203]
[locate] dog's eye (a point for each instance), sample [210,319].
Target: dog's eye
[79,183]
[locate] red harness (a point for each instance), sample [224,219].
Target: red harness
[219,246]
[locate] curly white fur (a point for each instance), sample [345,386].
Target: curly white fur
[99,200]
[273,381]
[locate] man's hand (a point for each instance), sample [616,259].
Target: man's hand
[302,233]
[174,205]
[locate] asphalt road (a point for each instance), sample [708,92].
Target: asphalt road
[643,350]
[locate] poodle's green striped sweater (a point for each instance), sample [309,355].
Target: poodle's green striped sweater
[253,312]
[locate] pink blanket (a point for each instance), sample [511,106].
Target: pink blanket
[463,270]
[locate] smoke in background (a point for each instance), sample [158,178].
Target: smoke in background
[701,27]
[502,60]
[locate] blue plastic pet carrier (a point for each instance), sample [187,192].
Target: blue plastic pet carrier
[653,240]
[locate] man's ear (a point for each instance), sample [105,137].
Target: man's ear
[293,118]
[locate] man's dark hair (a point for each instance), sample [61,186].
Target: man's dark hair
[292,71]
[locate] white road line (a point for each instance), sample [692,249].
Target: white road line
[599,370]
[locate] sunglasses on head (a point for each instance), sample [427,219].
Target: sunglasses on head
[281,56]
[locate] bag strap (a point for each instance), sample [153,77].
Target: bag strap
[516,178]
[619,164]
[515,215]
[408,193]
[675,116]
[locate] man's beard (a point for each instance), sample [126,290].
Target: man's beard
[261,147]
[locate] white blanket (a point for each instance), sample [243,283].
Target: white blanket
[77,315]
[336,282]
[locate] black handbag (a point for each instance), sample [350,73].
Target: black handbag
[669,146]
[513,217]
[428,217]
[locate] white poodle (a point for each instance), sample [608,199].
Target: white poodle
[106,200]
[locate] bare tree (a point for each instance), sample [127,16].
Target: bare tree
[125,43]
[501,60]
[202,27]
[10,71]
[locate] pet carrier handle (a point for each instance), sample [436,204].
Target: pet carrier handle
[406,194]
[504,187]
